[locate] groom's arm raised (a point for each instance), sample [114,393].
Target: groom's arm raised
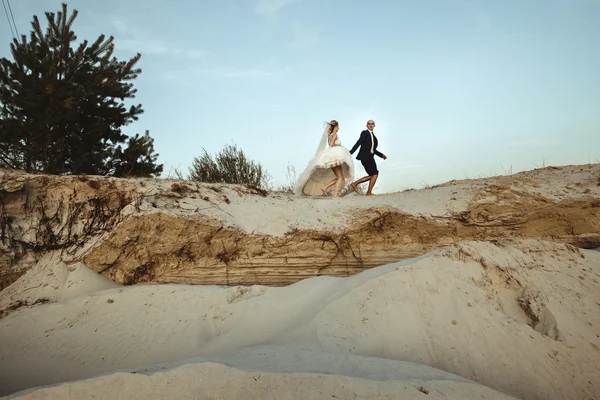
[360,141]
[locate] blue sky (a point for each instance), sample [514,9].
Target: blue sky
[458,88]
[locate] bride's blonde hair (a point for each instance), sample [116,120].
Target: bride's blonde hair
[332,124]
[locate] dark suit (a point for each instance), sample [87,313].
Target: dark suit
[364,154]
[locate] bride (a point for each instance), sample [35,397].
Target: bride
[331,166]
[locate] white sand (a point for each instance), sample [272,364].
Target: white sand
[52,280]
[279,213]
[212,381]
[451,323]
[455,310]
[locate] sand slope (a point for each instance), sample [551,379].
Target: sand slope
[520,317]
[211,381]
[167,231]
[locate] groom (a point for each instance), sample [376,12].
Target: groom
[366,155]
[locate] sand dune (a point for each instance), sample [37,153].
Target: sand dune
[217,381]
[520,318]
[476,289]
[167,231]
[52,280]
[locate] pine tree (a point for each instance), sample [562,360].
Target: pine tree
[137,159]
[62,108]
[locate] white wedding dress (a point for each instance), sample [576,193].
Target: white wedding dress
[318,173]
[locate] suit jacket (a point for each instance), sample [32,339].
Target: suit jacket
[365,146]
